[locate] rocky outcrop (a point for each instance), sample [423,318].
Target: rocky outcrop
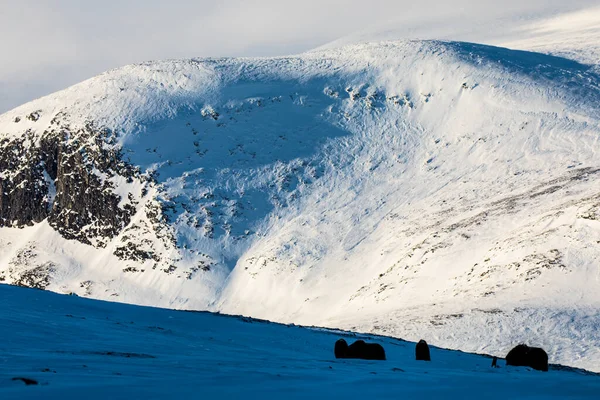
[65,176]
[23,190]
[75,177]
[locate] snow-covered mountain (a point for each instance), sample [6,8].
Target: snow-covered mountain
[573,35]
[429,189]
[125,352]
[567,31]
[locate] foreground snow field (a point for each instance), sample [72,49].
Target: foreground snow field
[80,348]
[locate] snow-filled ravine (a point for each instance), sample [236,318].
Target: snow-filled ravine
[420,188]
[79,348]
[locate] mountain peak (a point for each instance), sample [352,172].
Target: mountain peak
[444,183]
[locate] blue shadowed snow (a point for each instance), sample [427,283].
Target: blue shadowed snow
[572,81]
[214,158]
[252,125]
[77,348]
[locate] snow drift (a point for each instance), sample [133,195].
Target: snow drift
[128,351]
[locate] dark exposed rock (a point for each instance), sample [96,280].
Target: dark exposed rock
[170,269]
[83,199]
[130,251]
[76,167]
[38,277]
[34,116]
[23,190]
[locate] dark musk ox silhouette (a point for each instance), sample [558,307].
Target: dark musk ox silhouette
[525,356]
[359,349]
[26,381]
[422,351]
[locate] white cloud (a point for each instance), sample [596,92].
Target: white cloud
[48,45]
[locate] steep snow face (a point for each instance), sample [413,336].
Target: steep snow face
[415,188]
[476,195]
[127,351]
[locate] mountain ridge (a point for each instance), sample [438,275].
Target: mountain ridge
[413,181]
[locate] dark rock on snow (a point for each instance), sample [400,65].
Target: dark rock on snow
[53,175]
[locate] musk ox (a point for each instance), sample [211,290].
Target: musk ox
[422,351]
[359,349]
[26,381]
[525,356]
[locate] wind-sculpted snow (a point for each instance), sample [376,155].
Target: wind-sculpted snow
[573,35]
[570,81]
[124,351]
[390,182]
[570,31]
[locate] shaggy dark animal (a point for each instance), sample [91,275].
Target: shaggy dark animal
[495,362]
[538,358]
[518,356]
[359,349]
[27,381]
[525,356]
[422,351]
[340,349]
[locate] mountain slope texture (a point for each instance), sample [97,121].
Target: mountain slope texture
[420,189]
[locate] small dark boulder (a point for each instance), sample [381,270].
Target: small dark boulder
[525,356]
[422,351]
[359,349]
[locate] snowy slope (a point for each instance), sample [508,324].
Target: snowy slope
[575,35]
[134,352]
[569,30]
[421,188]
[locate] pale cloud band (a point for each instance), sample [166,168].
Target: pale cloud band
[49,45]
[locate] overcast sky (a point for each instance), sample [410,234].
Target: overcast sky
[47,45]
